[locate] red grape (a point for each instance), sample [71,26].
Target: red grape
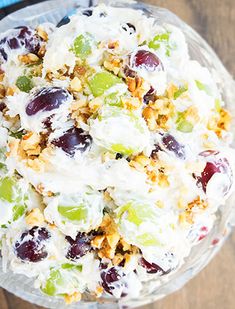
[152,268]
[147,60]
[47,99]
[215,164]
[78,247]
[31,246]
[74,139]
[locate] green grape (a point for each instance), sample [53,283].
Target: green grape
[82,46]
[183,125]
[136,213]
[60,281]
[180,91]
[73,213]
[12,194]
[55,279]
[109,130]
[71,266]
[113,99]
[203,87]
[102,81]
[148,240]
[18,211]
[119,148]
[217,105]
[24,83]
[7,189]
[163,39]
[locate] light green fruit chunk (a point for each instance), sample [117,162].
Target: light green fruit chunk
[18,211]
[155,43]
[119,148]
[53,282]
[180,91]
[7,189]
[113,99]
[11,193]
[71,266]
[162,39]
[148,240]
[217,105]
[62,280]
[136,213]
[82,46]
[203,87]
[73,213]
[183,125]
[102,81]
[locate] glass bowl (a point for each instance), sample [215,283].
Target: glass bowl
[22,286]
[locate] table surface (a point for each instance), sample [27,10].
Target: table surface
[214,287]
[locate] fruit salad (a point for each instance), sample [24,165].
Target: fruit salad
[114,153]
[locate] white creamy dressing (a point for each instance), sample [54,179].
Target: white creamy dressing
[66,176]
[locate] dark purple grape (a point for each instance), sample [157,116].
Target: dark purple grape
[108,277]
[150,96]
[74,139]
[47,99]
[31,246]
[20,37]
[78,247]
[2,106]
[147,60]
[152,268]
[128,72]
[111,279]
[171,144]
[48,122]
[215,164]
[154,153]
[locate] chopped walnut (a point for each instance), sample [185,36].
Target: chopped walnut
[28,58]
[42,33]
[75,297]
[137,86]
[35,217]
[75,84]
[2,91]
[30,141]
[131,103]
[95,104]
[220,122]
[42,51]
[113,45]
[2,75]
[186,217]
[11,91]
[157,114]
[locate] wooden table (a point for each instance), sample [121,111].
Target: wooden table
[214,287]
